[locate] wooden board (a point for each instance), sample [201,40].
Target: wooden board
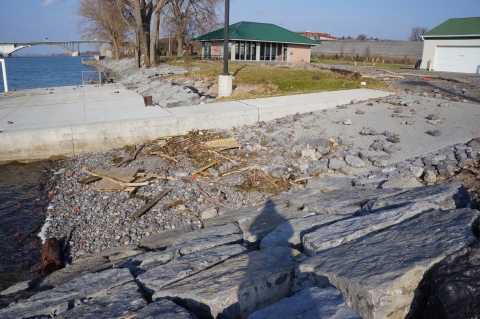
[114,172]
[223,143]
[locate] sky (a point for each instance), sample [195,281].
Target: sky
[35,20]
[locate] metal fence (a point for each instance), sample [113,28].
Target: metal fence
[91,77]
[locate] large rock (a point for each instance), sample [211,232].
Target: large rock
[455,286]
[348,230]
[164,239]
[237,287]
[379,276]
[402,182]
[345,202]
[324,303]
[166,309]
[210,242]
[270,205]
[447,196]
[156,278]
[328,184]
[290,233]
[63,297]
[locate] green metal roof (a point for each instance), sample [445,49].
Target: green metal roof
[463,27]
[254,31]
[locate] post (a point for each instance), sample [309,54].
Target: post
[225,81]
[4,71]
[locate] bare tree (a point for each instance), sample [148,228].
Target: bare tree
[191,17]
[362,37]
[367,53]
[101,19]
[416,33]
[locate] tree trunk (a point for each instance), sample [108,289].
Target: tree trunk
[51,256]
[179,38]
[155,35]
[143,28]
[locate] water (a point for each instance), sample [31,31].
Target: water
[23,197]
[22,194]
[33,72]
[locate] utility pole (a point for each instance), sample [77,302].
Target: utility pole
[225,81]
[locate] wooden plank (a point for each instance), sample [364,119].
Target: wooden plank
[89,180]
[223,143]
[150,204]
[124,174]
[204,168]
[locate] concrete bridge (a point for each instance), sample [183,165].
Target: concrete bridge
[73,47]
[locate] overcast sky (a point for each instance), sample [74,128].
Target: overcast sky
[34,20]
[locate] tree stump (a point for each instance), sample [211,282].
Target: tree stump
[51,256]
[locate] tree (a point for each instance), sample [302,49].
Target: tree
[367,53]
[188,18]
[362,37]
[101,19]
[416,33]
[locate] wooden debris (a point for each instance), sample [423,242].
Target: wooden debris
[126,175]
[204,168]
[173,204]
[89,180]
[226,143]
[51,256]
[28,234]
[85,170]
[150,204]
[224,157]
[184,212]
[208,197]
[131,158]
[163,155]
[148,177]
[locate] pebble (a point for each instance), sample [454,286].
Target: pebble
[434,133]
[347,122]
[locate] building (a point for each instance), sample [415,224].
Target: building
[453,46]
[252,41]
[317,36]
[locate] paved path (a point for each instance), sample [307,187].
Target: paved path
[72,120]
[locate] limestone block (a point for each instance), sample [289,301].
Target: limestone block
[447,196]
[325,303]
[380,276]
[348,230]
[402,182]
[328,184]
[290,233]
[164,239]
[164,308]
[237,287]
[156,278]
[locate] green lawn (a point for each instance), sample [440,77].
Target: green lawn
[279,80]
[368,64]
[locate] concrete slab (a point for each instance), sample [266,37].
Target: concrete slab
[217,115]
[277,107]
[15,101]
[56,98]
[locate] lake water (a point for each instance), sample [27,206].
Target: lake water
[22,194]
[33,72]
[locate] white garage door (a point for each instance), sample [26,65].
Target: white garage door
[458,59]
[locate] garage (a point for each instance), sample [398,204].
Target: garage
[458,59]
[453,46]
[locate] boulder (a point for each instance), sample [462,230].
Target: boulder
[210,242]
[290,233]
[328,184]
[156,278]
[239,286]
[345,231]
[164,308]
[63,297]
[335,163]
[447,196]
[355,161]
[402,182]
[379,276]
[164,239]
[324,303]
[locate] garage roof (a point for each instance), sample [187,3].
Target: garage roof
[463,27]
[254,31]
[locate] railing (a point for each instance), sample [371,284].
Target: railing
[91,77]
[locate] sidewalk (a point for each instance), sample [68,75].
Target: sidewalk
[72,120]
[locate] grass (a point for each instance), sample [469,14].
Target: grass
[279,80]
[368,64]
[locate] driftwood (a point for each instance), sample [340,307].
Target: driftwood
[28,234]
[85,170]
[148,177]
[150,204]
[173,204]
[208,197]
[203,168]
[131,158]
[51,256]
[89,180]
[224,157]
[163,155]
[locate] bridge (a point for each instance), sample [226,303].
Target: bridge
[73,47]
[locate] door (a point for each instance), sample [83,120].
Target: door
[457,59]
